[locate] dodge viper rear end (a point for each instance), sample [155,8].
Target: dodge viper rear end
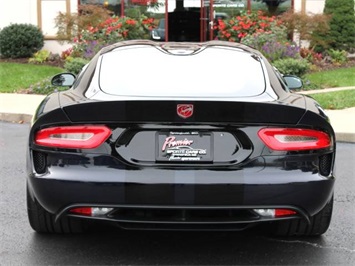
[206,147]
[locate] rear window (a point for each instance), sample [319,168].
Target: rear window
[213,72]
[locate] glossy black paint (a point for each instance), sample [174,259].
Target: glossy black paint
[165,111]
[124,172]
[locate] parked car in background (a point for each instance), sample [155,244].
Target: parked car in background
[158,34]
[227,151]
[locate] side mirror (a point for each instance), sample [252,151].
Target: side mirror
[293,82]
[63,80]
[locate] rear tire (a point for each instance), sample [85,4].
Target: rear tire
[319,224]
[43,222]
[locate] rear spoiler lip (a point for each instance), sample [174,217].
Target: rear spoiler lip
[205,112]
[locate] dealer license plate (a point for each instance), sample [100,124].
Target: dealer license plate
[186,146]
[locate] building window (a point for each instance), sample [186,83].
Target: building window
[132,8]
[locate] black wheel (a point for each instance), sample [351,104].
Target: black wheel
[43,222]
[318,226]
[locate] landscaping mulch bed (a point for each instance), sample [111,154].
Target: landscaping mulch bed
[330,66]
[60,63]
[55,63]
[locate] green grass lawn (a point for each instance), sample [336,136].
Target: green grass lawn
[14,76]
[336,100]
[341,77]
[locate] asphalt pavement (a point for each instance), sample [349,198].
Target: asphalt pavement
[19,108]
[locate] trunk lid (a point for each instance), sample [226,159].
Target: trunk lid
[154,133]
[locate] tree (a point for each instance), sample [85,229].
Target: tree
[342,24]
[70,25]
[308,26]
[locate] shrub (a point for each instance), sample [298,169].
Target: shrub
[337,57]
[70,25]
[133,12]
[308,26]
[292,66]
[342,24]
[273,43]
[55,58]
[40,57]
[260,38]
[65,54]
[112,30]
[74,65]
[274,51]
[20,40]
[311,56]
[237,28]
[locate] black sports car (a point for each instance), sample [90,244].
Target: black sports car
[208,147]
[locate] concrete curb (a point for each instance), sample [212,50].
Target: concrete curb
[345,137]
[18,107]
[16,118]
[326,90]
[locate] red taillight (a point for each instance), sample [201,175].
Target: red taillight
[73,137]
[82,211]
[284,212]
[292,139]
[275,213]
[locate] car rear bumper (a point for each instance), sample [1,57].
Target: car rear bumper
[225,196]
